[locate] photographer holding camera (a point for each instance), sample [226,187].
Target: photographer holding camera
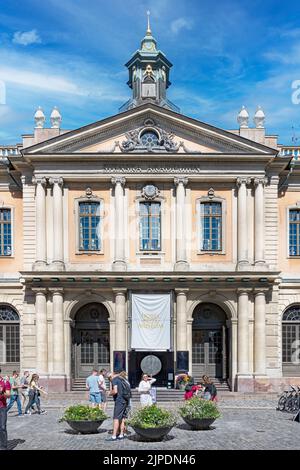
[4,394]
[144,390]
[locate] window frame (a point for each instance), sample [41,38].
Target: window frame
[295,206]
[153,253]
[289,368]
[144,201]
[12,218]
[5,324]
[78,201]
[203,200]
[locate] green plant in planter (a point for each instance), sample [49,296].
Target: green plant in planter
[83,413]
[152,416]
[197,408]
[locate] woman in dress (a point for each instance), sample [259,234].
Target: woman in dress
[144,390]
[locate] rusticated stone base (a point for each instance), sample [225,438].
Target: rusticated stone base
[264,384]
[55,383]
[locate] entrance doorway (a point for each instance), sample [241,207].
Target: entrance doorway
[90,340]
[210,342]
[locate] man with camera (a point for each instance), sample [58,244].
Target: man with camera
[4,394]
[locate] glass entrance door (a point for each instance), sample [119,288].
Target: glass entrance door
[207,352]
[92,351]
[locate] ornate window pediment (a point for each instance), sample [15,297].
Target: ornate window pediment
[149,138]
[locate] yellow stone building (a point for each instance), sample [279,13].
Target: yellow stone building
[151,239]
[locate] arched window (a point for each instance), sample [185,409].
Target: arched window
[150,138]
[9,335]
[291,341]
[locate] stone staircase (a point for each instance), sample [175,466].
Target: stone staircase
[163,394]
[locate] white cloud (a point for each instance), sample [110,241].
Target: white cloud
[181,23]
[26,38]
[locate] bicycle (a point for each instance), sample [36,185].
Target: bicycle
[289,400]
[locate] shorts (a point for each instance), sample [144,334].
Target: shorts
[103,396]
[95,398]
[121,409]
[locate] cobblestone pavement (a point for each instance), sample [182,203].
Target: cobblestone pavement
[245,428]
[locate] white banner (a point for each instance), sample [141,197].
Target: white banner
[151,322]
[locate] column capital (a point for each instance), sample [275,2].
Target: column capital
[121,290]
[57,180]
[244,290]
[39,180]
[180,291]
[181,180]
[118,180]
[260,291]
[56,290]
[257,181]
[243,181]
[39,290]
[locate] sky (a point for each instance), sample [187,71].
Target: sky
[225,54]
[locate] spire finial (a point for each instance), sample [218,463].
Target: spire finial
[149,28]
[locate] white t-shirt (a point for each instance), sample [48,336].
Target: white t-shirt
[102,384]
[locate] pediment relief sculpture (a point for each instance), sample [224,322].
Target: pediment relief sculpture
[149,138]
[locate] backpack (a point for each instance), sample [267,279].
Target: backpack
[126,391]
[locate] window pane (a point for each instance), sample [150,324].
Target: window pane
[89,226]
[5,232]
[150,226]
[211,226]
[12,343]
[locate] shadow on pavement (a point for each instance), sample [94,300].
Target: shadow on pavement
[186,427]
[14,442]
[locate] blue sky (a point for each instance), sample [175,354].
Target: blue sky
[226,53]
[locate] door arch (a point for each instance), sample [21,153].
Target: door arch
[209,341]
[90,339]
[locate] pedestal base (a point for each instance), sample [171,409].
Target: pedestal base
[39,266]
[181,266]
[57,266]
[55,383]
[119,266]
[245,383]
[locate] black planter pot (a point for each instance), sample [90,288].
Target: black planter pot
[85,427]
[199,424]
[152,434]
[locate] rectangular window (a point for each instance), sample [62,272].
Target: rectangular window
[150,226]
[5,232]
[89,226]
[294,232]
[211,226]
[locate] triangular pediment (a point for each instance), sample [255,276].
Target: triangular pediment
[122,134]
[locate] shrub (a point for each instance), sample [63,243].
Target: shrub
[152,417]
[83,413]
[197,408]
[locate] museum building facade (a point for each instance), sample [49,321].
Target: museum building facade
[150,237]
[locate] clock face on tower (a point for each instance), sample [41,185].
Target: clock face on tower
[148,46]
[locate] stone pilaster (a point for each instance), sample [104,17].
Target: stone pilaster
[260,332]
[58,331]
[58,254]
[259,231]
[244,378]
[242,233]
[181,319]
[40,198]
[119,263]
[120,320]
[41,330]
[181,258]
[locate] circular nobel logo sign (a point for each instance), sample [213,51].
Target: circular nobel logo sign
[151,365]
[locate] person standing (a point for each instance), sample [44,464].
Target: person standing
[121,394]
[25,386]
[145,390]
[4,394]
[15,393]
[92,385]
[102,388]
